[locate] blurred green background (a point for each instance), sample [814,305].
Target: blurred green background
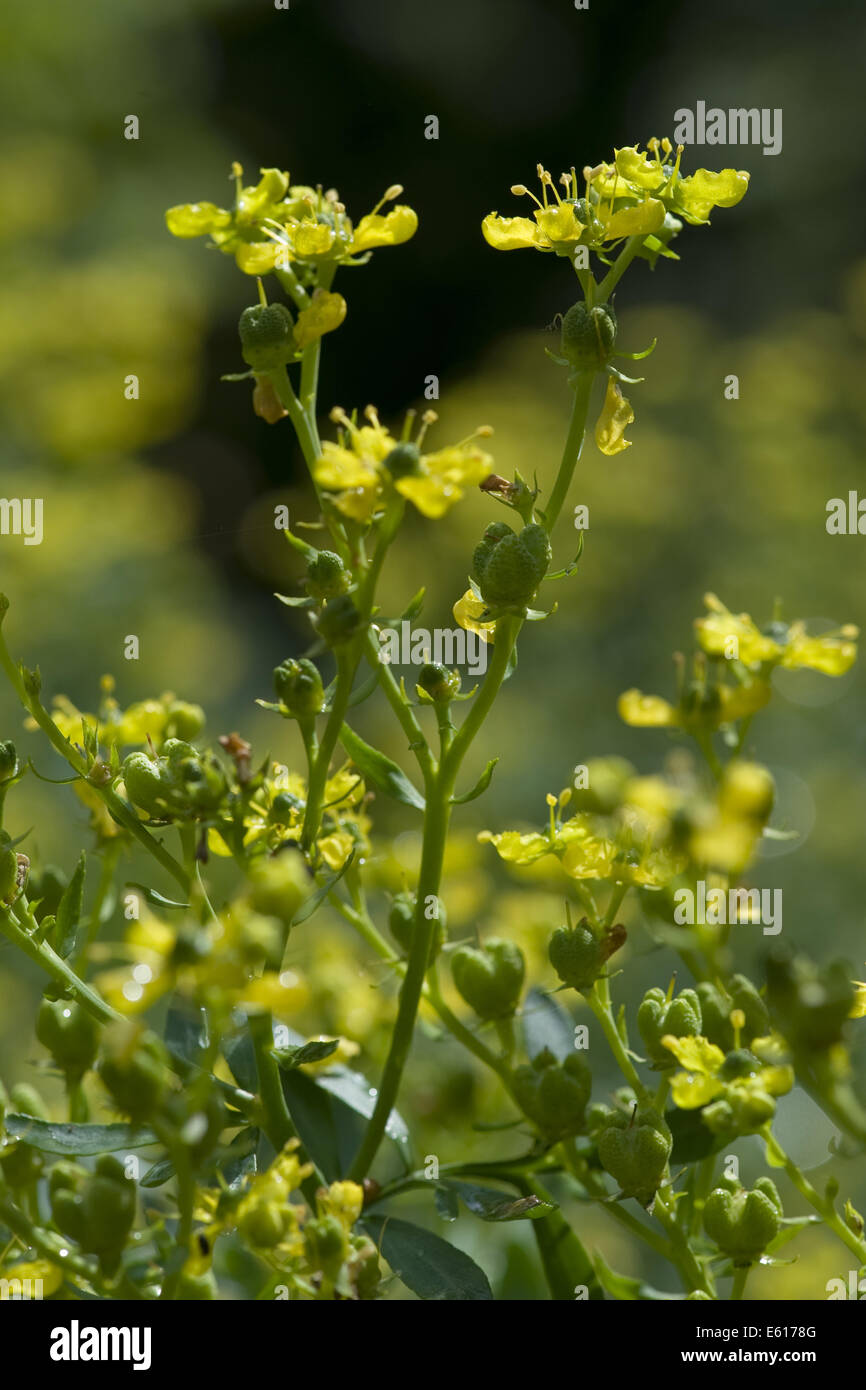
[158,512]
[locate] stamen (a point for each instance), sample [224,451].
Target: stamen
[409,421]
[520,190]
[371,414]
[263,299]
[388,196]
[428,418]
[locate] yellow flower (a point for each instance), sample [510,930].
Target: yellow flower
[701,1082]
[324,313]
[367,463]
[725,634]
[468,613]
[275,223]
[646,711]
[49,1275]
[615,417]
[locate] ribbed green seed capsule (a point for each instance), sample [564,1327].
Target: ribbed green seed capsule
[267,338]
[588,336]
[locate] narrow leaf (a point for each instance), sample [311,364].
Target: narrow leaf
[76,1139]
[69,909]
[379,770]
[480,786]
[291,1057]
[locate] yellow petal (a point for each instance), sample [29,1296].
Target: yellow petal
[196,219]
[257,257]
[339,468]
[695,1054]
[589,857]
[392,229]
[715,631]
[637,220]
[51,1277]
[646,711]
[282,994]
[858,1008]
[468,611]
[831,655]
[638,169]
[512,233]
[697,195]
[325,313]
[616,415]
[515,848]
[336,848]
[309,239]
[559,223]
[690,1092]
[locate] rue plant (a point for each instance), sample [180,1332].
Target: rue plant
[199,1120]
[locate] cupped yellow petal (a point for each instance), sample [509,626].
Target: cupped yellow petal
[833,656]
[559,224]
[257,257]
[697,195]
[338,468]
[638,169]
[722,633]
[695,1054]
[196,219]
[515,848]
[513,233]
[325,313]
[310,239]
[646,711]
[690,1092]
[637,220]
[388,229]
[615,418]
[468,611]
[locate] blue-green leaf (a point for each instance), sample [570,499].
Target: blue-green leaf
[427,1264]
[381,771]
[53,1138]
[546,1025]
[69,908]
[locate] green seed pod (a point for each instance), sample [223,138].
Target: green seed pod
[553,1094]
[362,1268]
[144,786]
[438,682]
[507,567]
[299,686]
[267,336]
[403,460]
[108,1200]
[264,1225]
[656,1017]
[8,760]
[635,1150]
[197,1288]
[339,621]
[490,980]
[327,576]
[588,336]
[65,1175]
[606,781]
[739,1112]
[743,1223]
[578,956]
[71,1035]
[401,924]
[326,1244]
[184,721]
[279,883]
[284,807]
[133,1070]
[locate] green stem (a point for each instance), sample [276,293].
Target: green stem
[599,1001]
[110,856]
[693,1273]
[618,269]
[738,1288]
[572,451]
[48,960]
[439,788]
[347,664]
[826,1210]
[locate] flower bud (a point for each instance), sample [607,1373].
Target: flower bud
[635,1150]
[14,869]
[743,1223]
[279,883]
[438,682]
[327,576]
[184,721]
[578,956]
[489,979]
[554,1094]
[70,1034]
[267,337]
[588,336]
[339,621]
[299,687]
[133,1069]
[747,790]
[716,1012]
[509,567]
[658,1017]
[8,760]
[264,1225]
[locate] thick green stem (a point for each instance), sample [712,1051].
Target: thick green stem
[572,451]
[62,974]
[618,269]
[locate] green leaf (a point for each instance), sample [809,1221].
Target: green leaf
[76,1139]
[379,770]
[566,1264]
[301,601]
[318,895]
[693,1140]
[155,899]
[186,1032]
[446,1203]
[626,1289]
[69,909]
[291,1057]
[480,786]
[546,1025]
[427,1264]
[491,1204]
